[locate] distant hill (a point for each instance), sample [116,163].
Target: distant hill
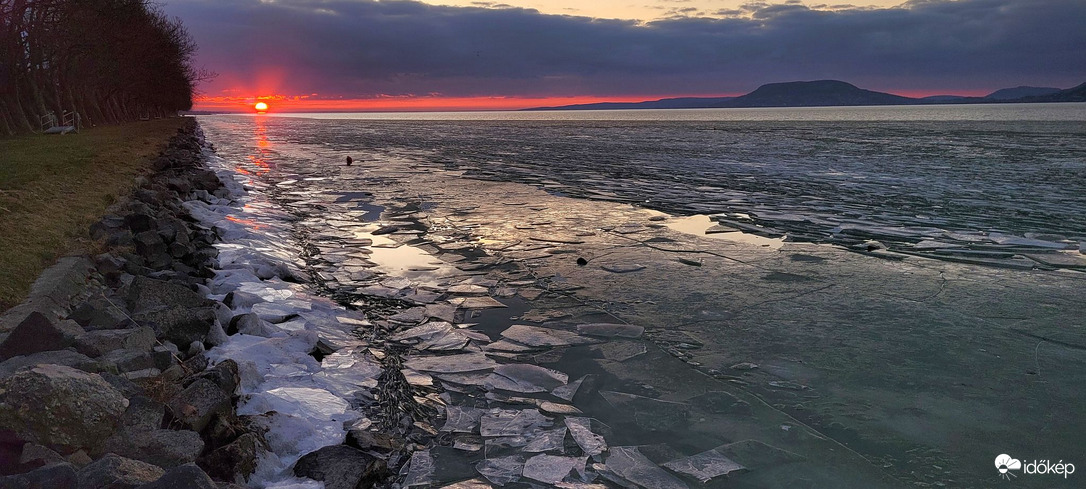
[814,94]
[667,103]
[1020,92]
[830,93]
[1076,94]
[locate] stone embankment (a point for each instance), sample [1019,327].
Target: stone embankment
[103,377]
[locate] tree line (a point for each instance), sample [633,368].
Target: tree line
[111,61]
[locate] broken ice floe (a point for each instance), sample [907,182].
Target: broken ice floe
[704,466]
[539,336]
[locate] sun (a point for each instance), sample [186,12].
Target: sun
[261,107]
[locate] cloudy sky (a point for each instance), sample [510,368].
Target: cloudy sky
[457,54]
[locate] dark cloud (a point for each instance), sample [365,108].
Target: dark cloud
[364,48]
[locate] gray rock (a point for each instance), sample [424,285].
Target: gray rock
[187,476]
[80,459]
[97,343]
[67,358]
[63,281]
[115,472]
[340,467]
[237,460]
[35,456]
[36,334]
[164,357]
[242,300]
[143,414]
[224,374]
[216,335]
[146,294]
[128,360]
[140,222]
[179,324]
[123,384]
[42,305]
[149,244]
[55,405]
[161,447]
[250,324]
[52,476]
[98,313]
[198,403]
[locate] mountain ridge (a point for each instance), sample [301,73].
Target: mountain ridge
[834,93]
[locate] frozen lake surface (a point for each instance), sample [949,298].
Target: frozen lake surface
[745,360]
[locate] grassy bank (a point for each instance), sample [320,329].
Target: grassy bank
[52,188]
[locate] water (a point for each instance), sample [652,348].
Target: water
[816,174]
[867,372]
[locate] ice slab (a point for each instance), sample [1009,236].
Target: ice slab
[580,429]
[511,422]
[525,378]
[629,464]
[547,441]
[611,330]
[459,419]
[704,466]
[501,470]
[464,362]
[551,469]
[649,413]
[622,268]
[537,336]
[569,390]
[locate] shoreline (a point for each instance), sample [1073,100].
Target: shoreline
[104,378]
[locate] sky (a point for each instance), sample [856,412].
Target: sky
[340,55]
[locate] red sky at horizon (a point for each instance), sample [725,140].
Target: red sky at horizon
[430,103]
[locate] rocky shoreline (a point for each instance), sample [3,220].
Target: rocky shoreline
[104,381]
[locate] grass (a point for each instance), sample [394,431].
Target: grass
[52,188]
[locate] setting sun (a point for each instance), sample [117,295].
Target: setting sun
[260,106]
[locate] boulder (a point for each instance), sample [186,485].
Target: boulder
[139,222]
[67,358]
[250,324]
[146,294]
[116,472]
[161,447]
[59,406]
[36,334]
[187,476]
[340,467]
[180,325]
[224,374]
[35,456]
[143,414]
[150,245]
[97,343]
[98,313]
[235,461]
[164,356]
[128,360]
[63,281]
[53,476]
[199,403]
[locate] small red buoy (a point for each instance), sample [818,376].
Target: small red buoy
[349,161]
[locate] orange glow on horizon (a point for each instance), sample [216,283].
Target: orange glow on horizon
[406,103]
[308,103]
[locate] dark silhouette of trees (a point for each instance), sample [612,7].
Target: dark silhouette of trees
[109,60]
